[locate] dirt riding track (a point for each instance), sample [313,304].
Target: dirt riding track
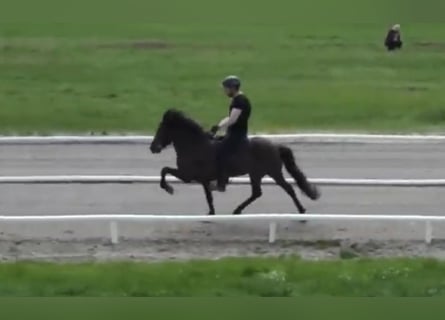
[184,240]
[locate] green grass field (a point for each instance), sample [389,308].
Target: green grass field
[307,65]
[228,277]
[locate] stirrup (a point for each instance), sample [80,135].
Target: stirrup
[215,187]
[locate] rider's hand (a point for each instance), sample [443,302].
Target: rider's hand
[214,129]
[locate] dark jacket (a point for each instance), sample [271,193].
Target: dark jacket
[393,39]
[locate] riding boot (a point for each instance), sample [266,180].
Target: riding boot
[222,181]
[225,150]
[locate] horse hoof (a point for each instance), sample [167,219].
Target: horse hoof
[169,189]
[316,194]
[236,212]
[211,213]
[303,211]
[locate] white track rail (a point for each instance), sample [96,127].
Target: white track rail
[124,179]
[271,219]
[289,138]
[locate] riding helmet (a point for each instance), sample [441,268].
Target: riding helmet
[231,82]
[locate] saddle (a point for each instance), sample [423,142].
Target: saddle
[219,138]
[214,138]
[240,155]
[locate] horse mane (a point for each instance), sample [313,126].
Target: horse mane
[179,120]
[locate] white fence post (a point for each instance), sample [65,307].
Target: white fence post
[272,232]
[114,232]
[428,232]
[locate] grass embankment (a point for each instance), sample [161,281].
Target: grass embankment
[228,277]
[307,65]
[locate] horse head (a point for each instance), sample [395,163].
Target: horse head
[175,126]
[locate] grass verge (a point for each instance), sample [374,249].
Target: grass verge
[306,65]
[279,277]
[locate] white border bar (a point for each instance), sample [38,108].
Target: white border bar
[124,179]
[302,137]
[264,217]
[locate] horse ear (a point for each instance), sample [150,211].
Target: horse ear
[170,115]
[167,115]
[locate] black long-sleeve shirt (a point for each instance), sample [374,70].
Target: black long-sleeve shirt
[392,37]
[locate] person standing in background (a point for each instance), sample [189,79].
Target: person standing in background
[393,39]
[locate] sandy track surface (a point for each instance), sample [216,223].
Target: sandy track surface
[192,240]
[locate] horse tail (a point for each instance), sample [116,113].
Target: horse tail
[289,162]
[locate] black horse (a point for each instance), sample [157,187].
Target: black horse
[195,151]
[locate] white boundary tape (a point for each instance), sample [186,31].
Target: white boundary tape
[123,179]
[303,138]
[271,219]
[261,217]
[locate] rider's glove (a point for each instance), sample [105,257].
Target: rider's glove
[214,129]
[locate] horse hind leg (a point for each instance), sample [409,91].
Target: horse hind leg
[255,182]
[209,197]
[281,181]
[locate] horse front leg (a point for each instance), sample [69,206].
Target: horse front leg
[173,172]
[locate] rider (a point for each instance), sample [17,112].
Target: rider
[236,124]
[393,39]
